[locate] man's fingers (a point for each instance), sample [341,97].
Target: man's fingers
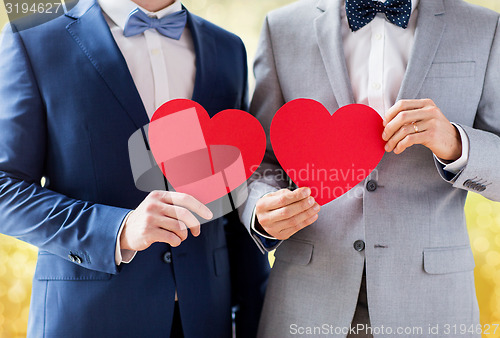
[404,105]
[175,218]
[282,198]
[184,216]
[291,210]
[409,141]
[171,224]
[165,236]
[195,231]
[186,201]
[298,219]
[289,232]
[405,130]
[404,118]
[285,228]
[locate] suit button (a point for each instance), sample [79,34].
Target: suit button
[371,186]
[167,257]
[359,245]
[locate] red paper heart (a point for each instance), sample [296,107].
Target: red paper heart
[202,156]
[328,153]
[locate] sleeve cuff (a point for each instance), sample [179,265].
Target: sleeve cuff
[457,166]
[252,226]
[269,243]
[123,255]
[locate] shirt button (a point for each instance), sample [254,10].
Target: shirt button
[378,36]
[167,257]
[371,186]
[376,85]
[359,245]
[155,51]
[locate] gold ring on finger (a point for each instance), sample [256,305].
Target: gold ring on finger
[415,127]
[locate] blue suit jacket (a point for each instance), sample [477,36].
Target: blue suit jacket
[68,106]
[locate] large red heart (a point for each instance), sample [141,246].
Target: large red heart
[328,153]
[202,156]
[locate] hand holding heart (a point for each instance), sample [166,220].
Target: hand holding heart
[282,213]
[163,216]
[203,158]
[329,153]
[411,122]
[408,122]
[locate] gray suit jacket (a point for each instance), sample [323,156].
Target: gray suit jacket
[418,257]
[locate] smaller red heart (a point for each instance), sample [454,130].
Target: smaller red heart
[202,156]
[330,154]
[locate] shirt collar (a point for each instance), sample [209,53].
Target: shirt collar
[414,4]
[119,10]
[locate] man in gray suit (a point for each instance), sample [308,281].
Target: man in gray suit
[393,259]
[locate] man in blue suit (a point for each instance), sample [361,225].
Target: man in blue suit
[115,261]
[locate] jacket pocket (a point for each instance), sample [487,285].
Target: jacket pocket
[448,260]
[52,267]
[452,69]
[295,251]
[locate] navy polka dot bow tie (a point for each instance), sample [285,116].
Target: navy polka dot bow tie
[362,12]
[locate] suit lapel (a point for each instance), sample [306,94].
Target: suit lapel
[92,34]
[329,36]
[430,28]
[206,56]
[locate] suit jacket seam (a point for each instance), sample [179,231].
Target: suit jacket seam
[275,68]
[244,102]
[94,158]
[45,307]
[22,48]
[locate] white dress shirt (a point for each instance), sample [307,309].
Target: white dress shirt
[377,56]
[162,68]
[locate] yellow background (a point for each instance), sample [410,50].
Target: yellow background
[244,17]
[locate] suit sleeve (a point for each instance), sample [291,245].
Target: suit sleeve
[51,221]
[482,174]
[266,101]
